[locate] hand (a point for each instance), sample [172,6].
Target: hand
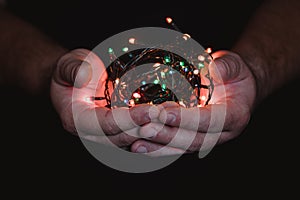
[75,79]
[237,102]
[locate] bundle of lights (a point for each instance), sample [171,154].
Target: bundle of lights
[157,75]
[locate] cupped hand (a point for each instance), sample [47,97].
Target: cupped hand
[79,75]
[201,127]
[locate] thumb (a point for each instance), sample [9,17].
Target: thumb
[72,66]
[227,66]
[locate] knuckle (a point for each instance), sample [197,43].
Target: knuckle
[109,125]
[125,140]
[140,114]
[229,65]
[196,144]
[68,122]
[68,66]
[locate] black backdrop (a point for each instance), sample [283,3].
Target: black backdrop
[40,158]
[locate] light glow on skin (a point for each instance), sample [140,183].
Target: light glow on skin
[131,102]
[203,98]
[181,103]
[88,100]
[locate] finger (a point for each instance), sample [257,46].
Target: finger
[226,67]
[211,118]
[72,67]
[122,119]
[153,149]
[183,139]
[172,136]
[112,121]
[167,104]
[119,140]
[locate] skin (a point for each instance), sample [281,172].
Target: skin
[264,59]
[239,85]
[23,64]
[79,70]
[48,65]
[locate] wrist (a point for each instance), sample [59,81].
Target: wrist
[40,82]
[256,64]
[51,62]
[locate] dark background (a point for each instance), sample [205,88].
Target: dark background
[40,159]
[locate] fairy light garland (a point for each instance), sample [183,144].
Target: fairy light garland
[156,89]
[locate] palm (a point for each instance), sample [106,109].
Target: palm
[235,90]
[71,90]
[227,115]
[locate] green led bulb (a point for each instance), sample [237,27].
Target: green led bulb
[167,59]
[110,50]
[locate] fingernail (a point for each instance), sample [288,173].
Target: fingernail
[153,112]
[83,76]
[141,149]
[170,117]
[148,132]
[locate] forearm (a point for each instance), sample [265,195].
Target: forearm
[270,45]
[27,57]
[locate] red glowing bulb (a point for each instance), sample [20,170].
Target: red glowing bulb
[169,20]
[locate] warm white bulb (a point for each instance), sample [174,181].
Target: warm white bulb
[131,102]
[186,36]
[131,40]
[136,95]
[201,58]
[156,65]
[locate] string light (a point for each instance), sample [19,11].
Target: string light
[201,58]
[209,50]
[203,98]
[131,40]
[125,49]
[117,81]
[169,20]
[110,50]
[153,86]
[167,59]
[156,81]
[156,91]
[131,102]
[196,71]
[186,36]
[200,65]
[156,65]
[136,95]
